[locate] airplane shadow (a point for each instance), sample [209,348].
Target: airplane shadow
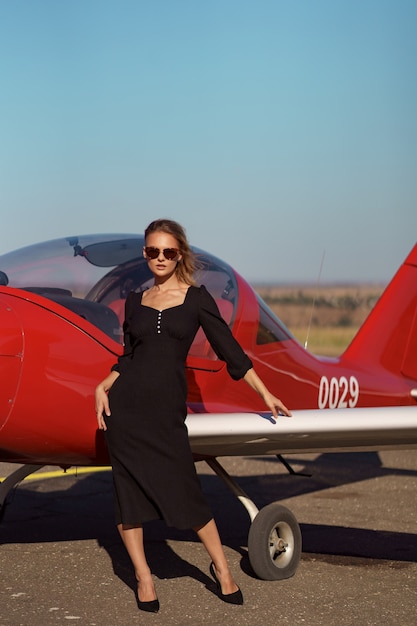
[326,471]
[83,509]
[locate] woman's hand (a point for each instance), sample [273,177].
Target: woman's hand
[102,400]
[274,404]
[102,406]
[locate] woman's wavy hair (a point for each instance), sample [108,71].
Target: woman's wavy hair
[188,264]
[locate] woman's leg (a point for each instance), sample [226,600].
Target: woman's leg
[210,538]
[132,537]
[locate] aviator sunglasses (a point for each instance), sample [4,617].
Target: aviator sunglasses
[169,253]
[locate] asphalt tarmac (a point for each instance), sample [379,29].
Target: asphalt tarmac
[62,561]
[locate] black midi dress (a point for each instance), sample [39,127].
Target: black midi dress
[154,475]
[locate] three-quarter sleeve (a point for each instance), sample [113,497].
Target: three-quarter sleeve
[125,358]
[220,337]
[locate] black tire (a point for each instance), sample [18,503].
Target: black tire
[274,543]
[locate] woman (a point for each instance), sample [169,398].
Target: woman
[141,405]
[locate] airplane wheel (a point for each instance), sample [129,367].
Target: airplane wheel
[274,543]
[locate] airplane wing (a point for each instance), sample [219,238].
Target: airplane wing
[244,434]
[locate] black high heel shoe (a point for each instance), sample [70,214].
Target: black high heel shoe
[150,607]
[231,598]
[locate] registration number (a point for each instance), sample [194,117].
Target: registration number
[338,393]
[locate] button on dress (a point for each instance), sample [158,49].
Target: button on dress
[154,476]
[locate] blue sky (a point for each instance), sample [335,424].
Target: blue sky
[277,132]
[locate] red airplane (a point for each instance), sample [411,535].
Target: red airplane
[61,311]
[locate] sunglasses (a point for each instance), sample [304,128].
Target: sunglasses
[169,253]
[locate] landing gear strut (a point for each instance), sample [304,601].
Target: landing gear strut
[12,480]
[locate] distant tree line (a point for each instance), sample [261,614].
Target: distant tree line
[300,298]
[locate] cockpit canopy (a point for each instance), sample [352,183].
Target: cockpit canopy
[92,275]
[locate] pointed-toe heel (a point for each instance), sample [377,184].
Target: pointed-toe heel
[231,598]
[150,607]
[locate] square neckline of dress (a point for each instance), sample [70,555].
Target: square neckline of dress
[176,306]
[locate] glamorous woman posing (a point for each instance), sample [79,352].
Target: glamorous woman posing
[141,405]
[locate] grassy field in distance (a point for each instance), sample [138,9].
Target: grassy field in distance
[330,314]
[325,340]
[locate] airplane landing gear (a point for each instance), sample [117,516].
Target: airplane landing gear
[11,481]
[274,541]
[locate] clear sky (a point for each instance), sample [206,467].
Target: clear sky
[275,131]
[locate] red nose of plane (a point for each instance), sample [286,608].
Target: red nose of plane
[11,354]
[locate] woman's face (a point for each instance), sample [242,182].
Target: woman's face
[155,245]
